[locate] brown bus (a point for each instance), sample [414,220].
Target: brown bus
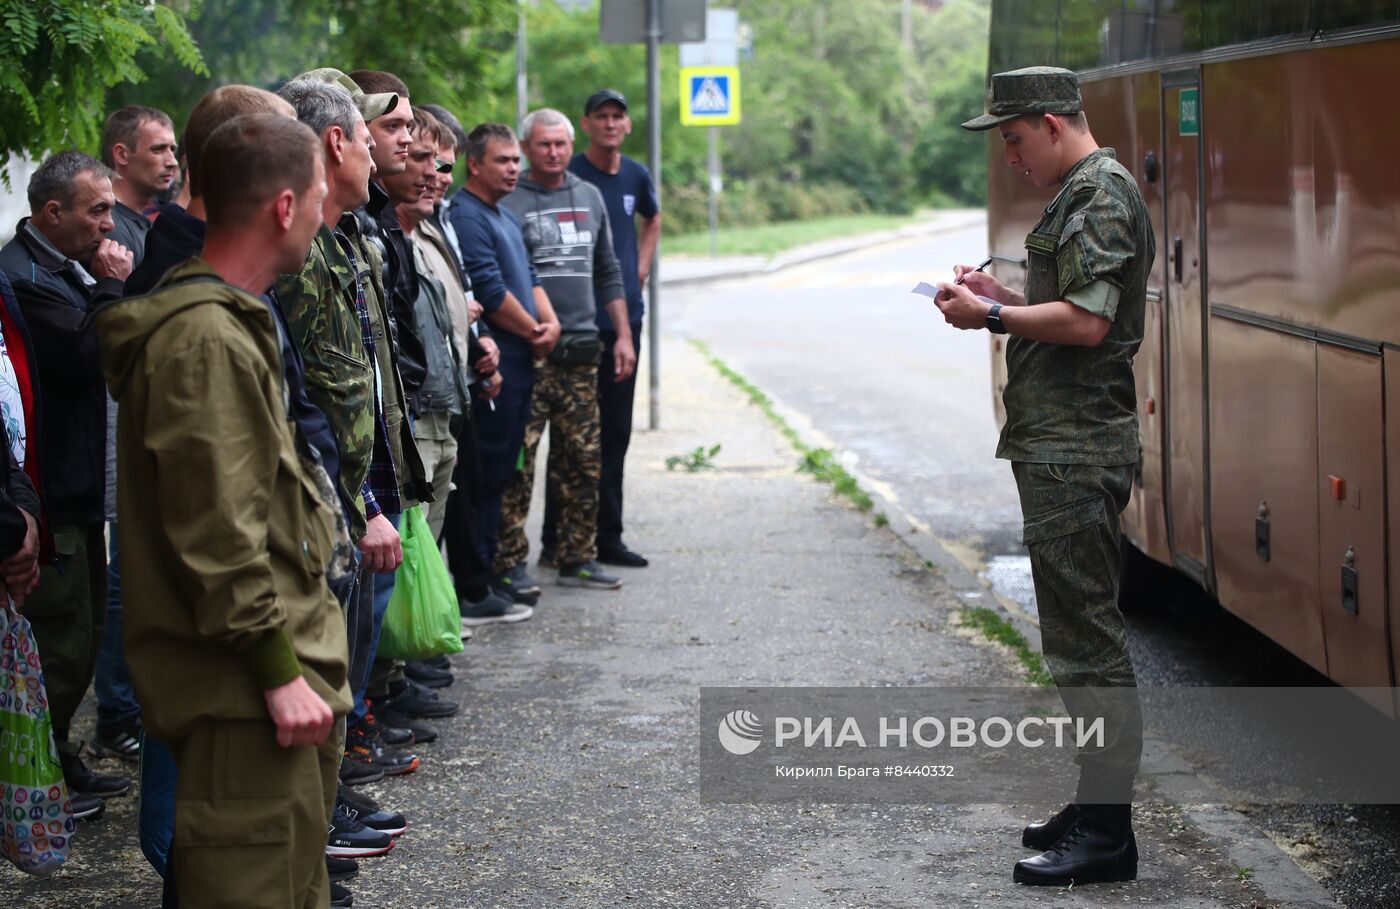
[1263,136]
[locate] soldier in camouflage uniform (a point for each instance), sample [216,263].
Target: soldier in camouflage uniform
[329,319]
[1071,435]
[567,234]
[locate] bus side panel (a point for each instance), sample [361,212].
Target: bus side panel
[1301,190]
[1147,528]
[1392,482]
[1125,114]
[1263,425]
[1351,511]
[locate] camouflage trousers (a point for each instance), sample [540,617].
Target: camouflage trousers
[1071,514]
[565,398]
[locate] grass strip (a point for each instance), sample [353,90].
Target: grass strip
[819,462]
[995,627]
[770,239]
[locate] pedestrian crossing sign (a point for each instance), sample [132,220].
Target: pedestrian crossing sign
[709,95]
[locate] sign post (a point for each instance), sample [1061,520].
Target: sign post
[710,95]
[654,22]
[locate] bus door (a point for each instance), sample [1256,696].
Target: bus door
[1187,475]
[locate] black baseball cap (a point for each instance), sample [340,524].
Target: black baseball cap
[601,97]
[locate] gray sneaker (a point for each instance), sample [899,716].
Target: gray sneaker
[590,574]
[493,609]
[518,583]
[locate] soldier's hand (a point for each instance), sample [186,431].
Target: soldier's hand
[960,307]
[624,358]
[544,337]
[112,260]
[381,547]
[490,361]
[980,282]
[301,716]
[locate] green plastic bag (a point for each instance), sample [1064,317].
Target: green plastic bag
[423,620]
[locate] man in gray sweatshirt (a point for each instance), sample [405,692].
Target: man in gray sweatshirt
[570,244]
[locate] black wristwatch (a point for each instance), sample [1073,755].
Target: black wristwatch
[994,320]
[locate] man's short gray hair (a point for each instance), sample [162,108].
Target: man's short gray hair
[545,116]
[55,177]
[321,105]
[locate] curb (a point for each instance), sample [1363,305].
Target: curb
[828,249]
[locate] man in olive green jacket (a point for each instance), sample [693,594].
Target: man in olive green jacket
[236,645]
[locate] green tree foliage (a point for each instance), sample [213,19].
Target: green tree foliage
[838,115]
[443,49]
[950,163]
[58,58]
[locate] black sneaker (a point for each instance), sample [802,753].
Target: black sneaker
[358,773]
[438,662]
[340,896]
[422,734]
[621,555]
[493,609]
[361,744]
[367,811]
[427,676]
[121,742]
[348,838]
[82,781]
[390,734]
[590,575]
[517,584]
[86,807]
[421,703]
[341,869]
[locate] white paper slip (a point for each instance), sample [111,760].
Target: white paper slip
[928,290]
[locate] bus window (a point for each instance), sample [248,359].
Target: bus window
[1223,24]
[1025,34]
[1335,14]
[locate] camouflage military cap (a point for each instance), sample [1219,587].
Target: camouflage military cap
[1033,90]
[370,106]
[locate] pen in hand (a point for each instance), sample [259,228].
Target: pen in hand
[963,277]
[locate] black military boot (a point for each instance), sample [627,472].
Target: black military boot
[1044,835]
[1099,846]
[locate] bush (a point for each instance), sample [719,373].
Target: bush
[745,203]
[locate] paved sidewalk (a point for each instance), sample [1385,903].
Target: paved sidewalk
[680,270]
[570,777]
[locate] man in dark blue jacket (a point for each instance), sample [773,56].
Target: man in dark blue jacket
[62,266]
[504,281]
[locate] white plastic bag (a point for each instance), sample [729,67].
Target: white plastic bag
[36,819]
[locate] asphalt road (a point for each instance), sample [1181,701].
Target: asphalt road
[908,402]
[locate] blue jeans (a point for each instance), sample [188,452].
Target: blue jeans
[116,698]
[383,589]
[157,813]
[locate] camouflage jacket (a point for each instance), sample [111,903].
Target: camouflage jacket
[408,468]
[1093,247]
[320,307]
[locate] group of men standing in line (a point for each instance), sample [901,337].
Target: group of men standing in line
[310,339]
